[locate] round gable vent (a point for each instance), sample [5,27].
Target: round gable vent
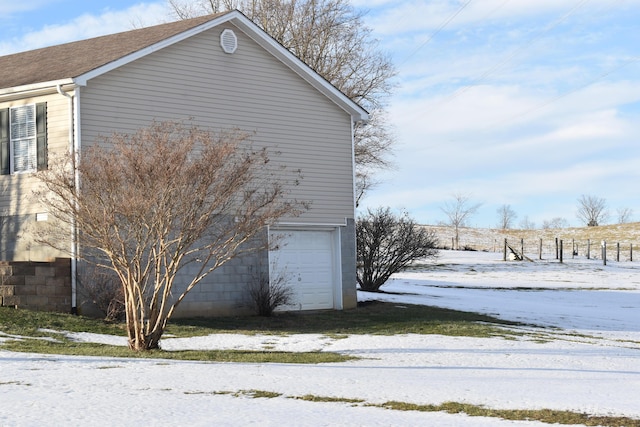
[228,41]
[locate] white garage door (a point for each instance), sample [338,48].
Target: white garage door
[306,259]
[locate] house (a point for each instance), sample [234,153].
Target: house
[221,71]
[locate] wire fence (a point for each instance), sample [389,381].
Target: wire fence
[563,249]
[612,243]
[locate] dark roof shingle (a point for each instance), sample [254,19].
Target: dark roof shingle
[74,59]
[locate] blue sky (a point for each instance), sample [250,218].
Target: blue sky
[529,103]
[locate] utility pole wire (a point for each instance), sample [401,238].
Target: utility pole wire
[564,94]
[512,55]
[440,28]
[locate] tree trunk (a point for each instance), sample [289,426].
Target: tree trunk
[140,337]
[145,342]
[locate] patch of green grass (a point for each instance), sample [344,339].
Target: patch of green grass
[369,318]
[30,323]
[376,318]
[255,394]
[14,383]
[240,356]
[314,398]
[548,416]
[260,394]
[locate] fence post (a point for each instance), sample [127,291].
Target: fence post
[556,248]
[560,251]
[604,252]
[573,248]
[631,252]
[504,257]
[522,248]
[588,248]
[618,252]
[540,249]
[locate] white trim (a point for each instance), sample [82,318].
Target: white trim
[259,36]
[75,151]
[34,89]
[338,303]
[354,176]
[73,110]
[82,79]
[300,68]
[303,225]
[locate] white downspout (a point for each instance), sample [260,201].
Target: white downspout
[73,150]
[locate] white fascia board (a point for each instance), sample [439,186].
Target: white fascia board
[82,79]
[34,89]
[307,225]
[299,67]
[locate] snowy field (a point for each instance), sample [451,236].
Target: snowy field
[583,356]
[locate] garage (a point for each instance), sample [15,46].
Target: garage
[306,259]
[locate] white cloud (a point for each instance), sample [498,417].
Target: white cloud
[8,7]
[429,16]
[90,25]
[433,15]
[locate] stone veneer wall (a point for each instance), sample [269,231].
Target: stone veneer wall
[41,286]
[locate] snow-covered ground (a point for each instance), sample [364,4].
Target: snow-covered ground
[586,358]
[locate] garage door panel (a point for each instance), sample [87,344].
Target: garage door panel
[306,258]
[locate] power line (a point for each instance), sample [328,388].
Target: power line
[565,94]
[440,28]
[513,54]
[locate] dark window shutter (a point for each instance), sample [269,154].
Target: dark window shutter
[4,142]
[41,135]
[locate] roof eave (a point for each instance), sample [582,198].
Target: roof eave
[34,89]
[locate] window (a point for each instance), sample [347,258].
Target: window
[23,138]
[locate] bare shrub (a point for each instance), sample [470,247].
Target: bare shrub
[387,243]
[104,290]
[268,295]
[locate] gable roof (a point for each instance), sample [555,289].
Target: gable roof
[74,59]
[77,62]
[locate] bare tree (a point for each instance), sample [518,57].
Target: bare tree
[331,37]
[592,210]
[459,211]
[527,224]
[555,223]
[506,216]
[624,215]
[160,199]
[386,244]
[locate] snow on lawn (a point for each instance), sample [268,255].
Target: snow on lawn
[577,294]
[585,359]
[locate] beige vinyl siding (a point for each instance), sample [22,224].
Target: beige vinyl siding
[250,90]
[16,191]
[17,200]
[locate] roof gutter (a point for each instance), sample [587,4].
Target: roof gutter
[32,90]
[73,150]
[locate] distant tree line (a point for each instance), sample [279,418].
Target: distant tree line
[592,211]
